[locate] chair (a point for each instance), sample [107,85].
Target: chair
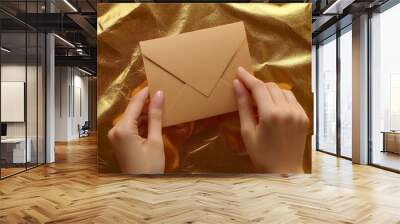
[84,130]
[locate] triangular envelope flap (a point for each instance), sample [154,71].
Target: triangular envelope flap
[197,58]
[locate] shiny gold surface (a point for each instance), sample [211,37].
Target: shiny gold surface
[280,45]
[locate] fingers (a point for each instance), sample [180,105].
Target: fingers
[277,94]
[290,98]
[261,95]
[135,106]
[246,114]
[155,117]
[268,96]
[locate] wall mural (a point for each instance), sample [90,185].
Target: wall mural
[191,52]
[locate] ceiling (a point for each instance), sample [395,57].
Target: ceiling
[17,42]
[39,6]
[72,20]
[75,22]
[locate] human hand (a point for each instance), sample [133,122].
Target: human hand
[275,140]
[135,154]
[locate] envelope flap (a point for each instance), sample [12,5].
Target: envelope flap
[197,58]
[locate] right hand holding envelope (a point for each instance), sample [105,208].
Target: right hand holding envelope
[275,139]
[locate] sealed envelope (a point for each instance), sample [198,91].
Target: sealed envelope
[195,71]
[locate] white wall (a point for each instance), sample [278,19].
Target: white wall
[80,89]
[71,93]
[33,127]
[12,101]
[16,73]
[12,73]
[61,104]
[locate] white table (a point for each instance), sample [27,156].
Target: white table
[18,149]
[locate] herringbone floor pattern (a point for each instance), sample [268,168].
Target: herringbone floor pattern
[71,191]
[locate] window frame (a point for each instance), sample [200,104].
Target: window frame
[381,9]
[26,30]
[334,37]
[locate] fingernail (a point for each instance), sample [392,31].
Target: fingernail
[237,87]
[241,70]
[158,98]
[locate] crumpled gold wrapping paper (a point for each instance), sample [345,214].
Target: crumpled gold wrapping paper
[279,38]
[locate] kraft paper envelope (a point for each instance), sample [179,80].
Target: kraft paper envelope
[195,70]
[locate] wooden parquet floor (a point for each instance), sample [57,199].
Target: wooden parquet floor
[71,191]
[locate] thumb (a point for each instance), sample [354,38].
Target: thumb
[155,117]
[245,108]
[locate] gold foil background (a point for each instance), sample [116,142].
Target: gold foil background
[279,38]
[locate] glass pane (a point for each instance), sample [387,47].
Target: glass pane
[23,87]
[346,94]
[327,96]
[385,93]
[41,98]
[32,89]
[13,87]
[31,98]
[313,80]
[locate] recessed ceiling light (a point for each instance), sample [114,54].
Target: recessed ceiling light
[84,71]
[337,7]
[5,50]
[64,40]
[70,5]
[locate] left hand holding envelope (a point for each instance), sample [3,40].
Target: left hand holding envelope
[135,154]
[275,140]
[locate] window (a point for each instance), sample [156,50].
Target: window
[314,90]
[385,89]
[326,93]
[22,75]
[346,75]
